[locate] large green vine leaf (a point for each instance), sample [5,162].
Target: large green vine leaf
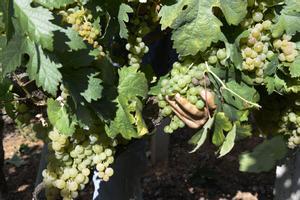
[132,83]
[264,156]
[43,68]
[11,54]
[248,93]
[289,19]
[128,121]
[59,117]
[35,22]
[194,24]
[51,4]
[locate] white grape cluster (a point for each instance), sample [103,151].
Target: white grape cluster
[188,81]
[290,126]
[256,50]
[70,161]
[259,48]
[81,22]
[137,49]
[287,50]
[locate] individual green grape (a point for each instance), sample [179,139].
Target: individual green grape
[258,47]
[281,57]
[200,104]
[267,25]
[108,152]
[257,16]
[100,167]
[221,54]
[168,129]
[213,59]
[256,33]
[173,125]
[193,99]
[102,156]
[79,178]
[109,171]
[72,186]
[167,111]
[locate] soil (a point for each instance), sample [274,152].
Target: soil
[197,176]
[20,180]
[201,175]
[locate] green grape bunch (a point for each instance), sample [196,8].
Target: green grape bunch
[290,127]
[137,49]
[185,97]
[70,162]
[143,22]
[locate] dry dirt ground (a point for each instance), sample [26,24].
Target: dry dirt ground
[197,176]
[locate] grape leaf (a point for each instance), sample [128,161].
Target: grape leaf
[132,83]
[113,25]
[272,66]
[292,5]
[128,121]
[228,142]
[59,117]
[235,114]
[263,157]
[289,19]
[94,90]
[11,54]
[76,42]
[85,112]
[195,26]
[7,12]
[248,93]
[243,130]
[274,84]
[123,17]
[42,68]
[199,138]
[295,68]
[221,124]
[35,22]
[51,4]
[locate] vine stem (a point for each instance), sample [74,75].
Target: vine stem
[229,90]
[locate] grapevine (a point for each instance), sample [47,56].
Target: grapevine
[78,72]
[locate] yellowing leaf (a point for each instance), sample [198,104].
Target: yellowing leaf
[221,124]
[229,142]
